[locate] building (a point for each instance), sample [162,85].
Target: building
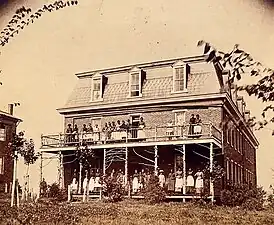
[8,124]
[164,94]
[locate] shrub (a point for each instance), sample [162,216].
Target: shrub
[113,188]
[251,198]
[153,192]
[56,193]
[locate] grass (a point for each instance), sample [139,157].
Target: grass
[131,212]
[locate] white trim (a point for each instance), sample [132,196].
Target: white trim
[131,72]
[178,65]
[97,76]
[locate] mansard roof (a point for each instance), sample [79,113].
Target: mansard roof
[157,85]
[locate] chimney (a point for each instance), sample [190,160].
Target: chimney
[240,104]
[234,93]
[247,115]
[225,80]
[10,109]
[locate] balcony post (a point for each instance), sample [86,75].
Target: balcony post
[156,160]
[80,178]
[211,184]
[184,170]
[104,163]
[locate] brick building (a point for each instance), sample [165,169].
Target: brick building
[8,124]
[165,94]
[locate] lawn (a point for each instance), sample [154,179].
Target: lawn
[130,212]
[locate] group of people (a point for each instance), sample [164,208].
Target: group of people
[195,125]
[111,131]
[92,184]
[173,183]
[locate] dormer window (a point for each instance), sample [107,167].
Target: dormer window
[135,82]
[97,87]
[180,74]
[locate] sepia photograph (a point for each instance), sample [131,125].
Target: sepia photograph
[137,112]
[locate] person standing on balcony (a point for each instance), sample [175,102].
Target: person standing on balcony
[89,132]
[75,133]
[96,132]
[69,133]
[84,132]
[198,127]
[141,132]
[169,130]
[105,132]
[192,122]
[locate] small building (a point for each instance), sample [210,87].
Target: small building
[8,124]
[177,114]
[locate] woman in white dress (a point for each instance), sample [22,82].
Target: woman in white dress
[135,182]
[91,183]
[74,183]
[199,184]
[96,133]
[179,181]
[162,178]
[85,186]
[190,181]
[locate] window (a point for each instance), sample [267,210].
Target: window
[1,165]
[227,169]
[2,134]
[180,74]
[96,91]
[98,84]
[135,89]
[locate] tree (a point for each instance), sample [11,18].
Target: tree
[16,147]
[24,16]
[240,63]
[30,157]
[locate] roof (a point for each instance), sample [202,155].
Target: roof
[5,114]
[157,85]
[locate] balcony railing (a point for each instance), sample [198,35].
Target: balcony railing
[147,134]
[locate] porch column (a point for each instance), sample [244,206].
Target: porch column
[156,160]
[104,163]
[126,166]
[80,178]
[41,173]
[184,170]
[211,185]
[60,171]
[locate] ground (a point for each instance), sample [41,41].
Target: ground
[130,212]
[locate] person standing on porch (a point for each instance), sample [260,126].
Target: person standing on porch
[192,122]
[91,182]
[179,180]
[74,183]
[85,185]
[199,184]
[135,182]
[97,184]
[162,179]
[171,181]
[189,181]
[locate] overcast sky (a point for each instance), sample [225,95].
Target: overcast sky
[39,64]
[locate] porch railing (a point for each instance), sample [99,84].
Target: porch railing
[147,134]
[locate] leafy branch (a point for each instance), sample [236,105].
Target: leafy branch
[240,63]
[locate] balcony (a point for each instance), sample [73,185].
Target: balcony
[159,135]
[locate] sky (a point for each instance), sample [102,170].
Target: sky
[39,64]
